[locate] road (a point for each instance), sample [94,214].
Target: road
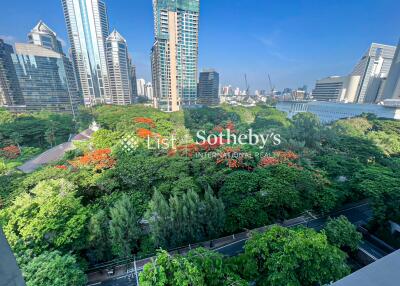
[358,214]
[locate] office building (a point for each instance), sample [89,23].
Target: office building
[88,28]
[392,86]
[45,78]
[208,88]
[132,71]
[10,91]
[328,112]
[42,35]
[119,69]
[141,87]
[373,69]
[336,88]
[174,56]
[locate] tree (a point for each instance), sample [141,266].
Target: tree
[295,257]
[184,218]
[244,209]
[48,217]
[307,128]
[200,267]
[382,186]
[342,233]
[166,270]
[98,238]
[124,227]
[214,215]
[54,269]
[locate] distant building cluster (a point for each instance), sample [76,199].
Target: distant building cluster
[38,74]
[374,79]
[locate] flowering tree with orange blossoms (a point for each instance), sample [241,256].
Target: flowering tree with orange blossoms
[280,157]
[145,120]
[10,152]
[232,158]
[99,160]
[61,167]
[144,133]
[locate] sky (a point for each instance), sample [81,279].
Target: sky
[295,41]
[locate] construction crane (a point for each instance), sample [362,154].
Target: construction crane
[271,86]
[247,85]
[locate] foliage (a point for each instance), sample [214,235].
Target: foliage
[98,160]
[49,217]
[342,233]
[185,218]
[199,267]
[124,227]
[295,257]
[54,269]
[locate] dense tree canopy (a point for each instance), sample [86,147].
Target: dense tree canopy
[103,201]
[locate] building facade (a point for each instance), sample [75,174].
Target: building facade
[45,78]
[42,35]
[141,87]
[373,68]
[119,69]
[328,112]
[10,91]
[88,28]
[208,88]
[132,71]
[336,88]
[174,56]
[392,86]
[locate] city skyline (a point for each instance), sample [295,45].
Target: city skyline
[291,56]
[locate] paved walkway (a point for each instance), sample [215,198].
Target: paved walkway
[54,154]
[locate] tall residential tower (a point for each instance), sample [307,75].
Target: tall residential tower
[174,55]
[88,28]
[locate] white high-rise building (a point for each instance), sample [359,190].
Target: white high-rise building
[88,28]
[119,69]
[392,86]
[141,87]
[373,69]
[149,91]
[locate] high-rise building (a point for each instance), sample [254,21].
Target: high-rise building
[149,91]
[132,75]
[88,28]
[373,69]
[45,78]
[141,87]
[118,69]
[208,88]
[42,35]
[10,91]
[174,55]
[392,86]
[336,88]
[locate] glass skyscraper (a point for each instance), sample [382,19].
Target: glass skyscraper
[174,56]
[42,35]
[88,28]
[10,91]
[119,69]
[208,93]
[45,78]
